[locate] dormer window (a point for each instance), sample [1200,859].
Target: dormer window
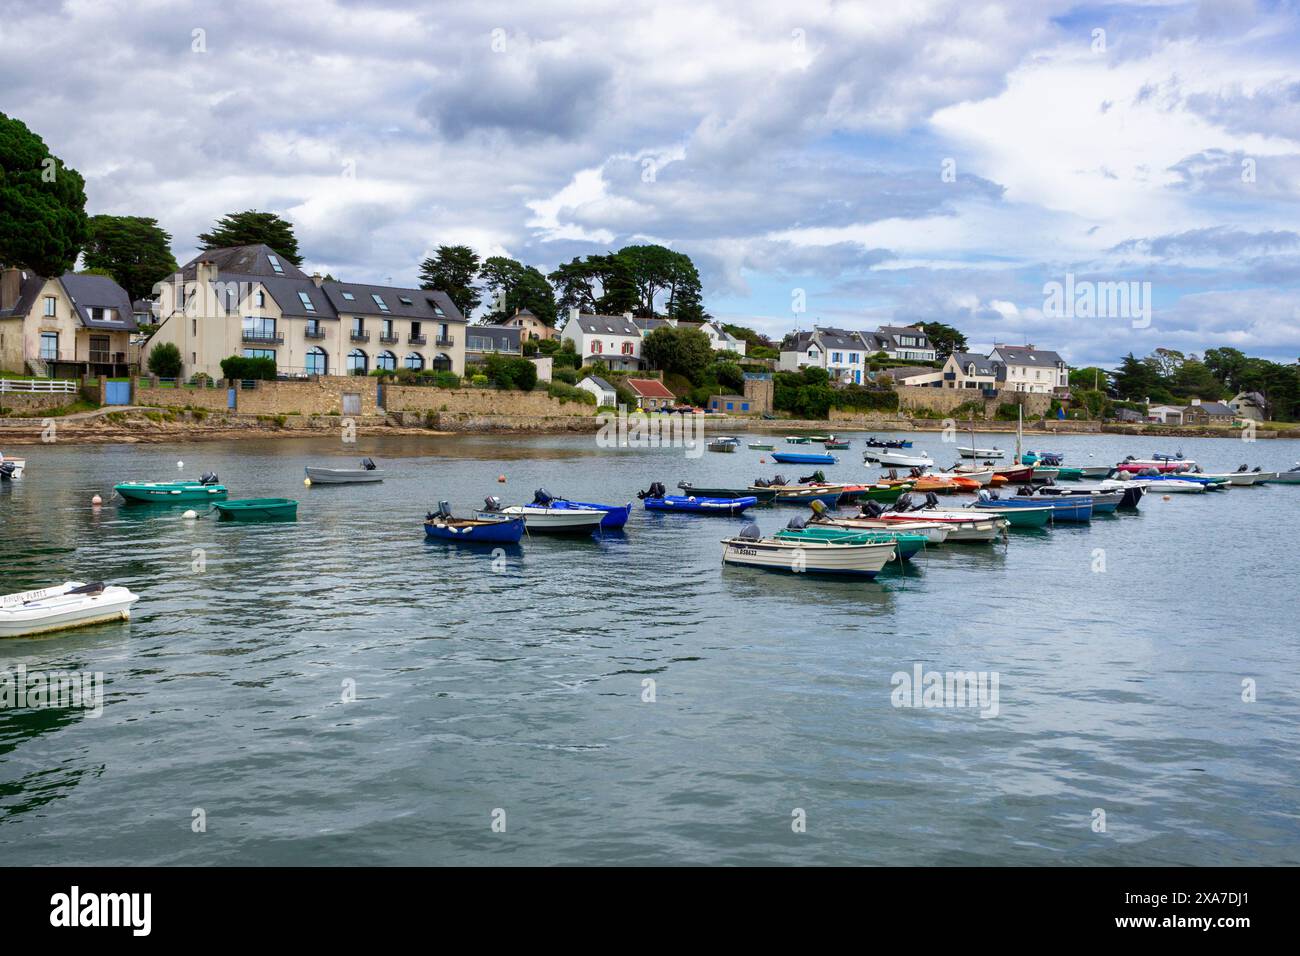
[275,265]
[383,306]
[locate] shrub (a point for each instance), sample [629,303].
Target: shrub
[165,361]
[1008,411]
[568,393]
[239,367]
[567,375]
[446,379]
[511,372]
[479,381]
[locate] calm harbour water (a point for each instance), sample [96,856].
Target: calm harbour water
[520,688]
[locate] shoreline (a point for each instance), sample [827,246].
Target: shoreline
[159,426]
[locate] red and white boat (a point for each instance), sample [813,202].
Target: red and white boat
[1163,465]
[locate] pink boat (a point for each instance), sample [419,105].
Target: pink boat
[1162,465]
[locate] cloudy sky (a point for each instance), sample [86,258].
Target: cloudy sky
[883,161]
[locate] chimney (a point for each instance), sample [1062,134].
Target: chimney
[316,278]
[11,285]
[573,313]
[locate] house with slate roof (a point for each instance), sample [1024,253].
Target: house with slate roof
[1031,369]
[612,339]
[972,370]
[247,300]
[69,325]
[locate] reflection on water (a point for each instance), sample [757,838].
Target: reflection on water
[343,688]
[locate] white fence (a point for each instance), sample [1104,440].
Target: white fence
[45,385]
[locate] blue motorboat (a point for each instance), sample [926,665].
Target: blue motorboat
[793,458]
[615,515]
[442,525]
[654,499]
[1064,507]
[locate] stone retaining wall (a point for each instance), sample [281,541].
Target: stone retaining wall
[482,402]
[209,399]
[26,401]
[915,397]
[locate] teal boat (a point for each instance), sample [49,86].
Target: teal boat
[761,446]
[258,509]
[1018,517]
[1069,474]
[906,544]
[206,488]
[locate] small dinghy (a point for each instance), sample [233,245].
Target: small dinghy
[654,499]
[800,493]
[893,459]
[544,519]
[615,515]
[441,524]
[907,544]
[806,555]
[723,443]
[874,442]
[1289,477]
[761,446]
[63,606]
[794,458]
[368,472]
[258,509]
[207,488]
[991,454]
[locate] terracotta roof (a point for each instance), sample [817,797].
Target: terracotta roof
[649,388]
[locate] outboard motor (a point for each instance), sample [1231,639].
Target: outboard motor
[444,509]
[984,496]
[750,533]
[491,503]
[1025,490]
[931,500]
[1243,468]
[7,470]
[542,497]
[817,476]
[797,523]
[903,502]
[368,464]
[892,474]
[872,509]
[208,478]
[656,490]
[1258,468]
[778,479]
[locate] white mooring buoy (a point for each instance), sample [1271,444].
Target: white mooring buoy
[190,515]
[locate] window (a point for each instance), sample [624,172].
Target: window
[853,358]
[349,296]
[317,362]
[261,297]
[358,363]
[729,406]
[627,348]
[383,306]
[443,334]
[836,357]
[313,327]
[305,299]
[596,347]
[194,326]
[415,361]
[744,406]
[275,264]
[404,299]
[49,305]
[259,327]
[388,329]
[260,353]
[415,328]
[358,326]
[437,309]
[50,345]
[386,361]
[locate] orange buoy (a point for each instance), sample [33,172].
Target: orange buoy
[96,501]
[501,478]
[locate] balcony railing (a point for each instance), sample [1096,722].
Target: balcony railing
[388,339]
[360,336]
[263,338]
[444,340]
[414,339]
[310,333]
[107,358]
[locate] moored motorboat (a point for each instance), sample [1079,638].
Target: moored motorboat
[990,454]
[368,471]
[11,468]
[963,525]
[893,459]
[444,526]
[1065,507]
[797,439]
[874,442]
[257,509]
[615,515]
[806,556]
[206,488]
[906,544]
[761,446]
[1104,501]
[62,607]
[1016,516]
[723,443]
[787,493]
[1289,477]
[541,519]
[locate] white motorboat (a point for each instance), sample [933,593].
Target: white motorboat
[897,459]
[544,520]
[1174,486]
[11,468]
[1289,477]
[982,475]
[962,525]
[993,454]
[752,550]
[367,472]
[63,606]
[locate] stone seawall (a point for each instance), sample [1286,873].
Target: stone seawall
[941,400]
[482,403]
[208,399]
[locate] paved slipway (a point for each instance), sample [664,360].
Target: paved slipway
[340,690]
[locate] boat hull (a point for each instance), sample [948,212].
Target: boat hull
[1019,517]
[615,515]
[764,495]
[344,476]
[538,520]
[896,460]
[169,492]
[805,557]
[700,506]
[51,610]
[1064,507]
[506,531]
[906,545]
[258,509]
[792,458]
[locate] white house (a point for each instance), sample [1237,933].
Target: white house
[842,353]
[1165,414]
[1031,370]
[721,339]
[612,339]
[606,397]
[909,343]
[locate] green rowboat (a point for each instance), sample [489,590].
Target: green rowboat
[258,509]
[907,544]
[170,492]
[1069,474]
[881,492]
[759,446]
